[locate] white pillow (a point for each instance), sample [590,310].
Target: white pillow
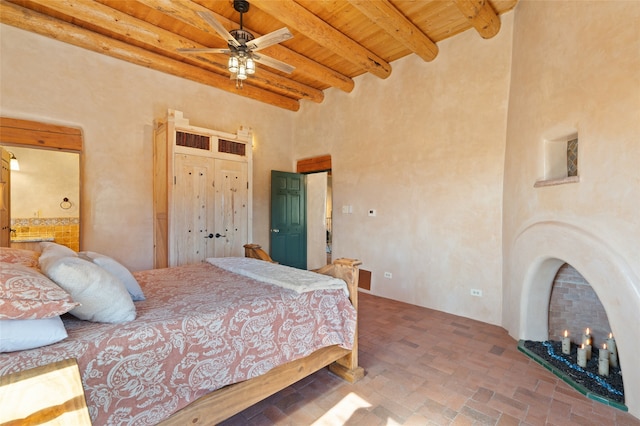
[18,335]
[102,296]
[52,252]
[120,271]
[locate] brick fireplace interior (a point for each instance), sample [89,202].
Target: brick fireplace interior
[574,306]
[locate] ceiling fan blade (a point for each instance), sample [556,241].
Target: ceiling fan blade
[273,63]
[270,39]
[205,50]
[220,29]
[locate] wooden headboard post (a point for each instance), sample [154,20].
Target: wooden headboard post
[255,251]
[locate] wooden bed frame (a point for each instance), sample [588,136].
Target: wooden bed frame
[230,400]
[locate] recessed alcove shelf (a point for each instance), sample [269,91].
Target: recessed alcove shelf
[560,161]
[560,181]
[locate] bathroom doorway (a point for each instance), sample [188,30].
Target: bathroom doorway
[45,198]
[45,202]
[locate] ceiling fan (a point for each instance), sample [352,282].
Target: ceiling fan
[242,46]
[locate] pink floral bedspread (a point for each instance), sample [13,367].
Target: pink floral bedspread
[201,328]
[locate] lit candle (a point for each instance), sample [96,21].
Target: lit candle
[582,356]
[566,343]
[613,351]
[588,349]
[586,336]
[603,361]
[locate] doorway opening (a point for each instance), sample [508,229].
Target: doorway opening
[319,209]
[45,195]
[45,202]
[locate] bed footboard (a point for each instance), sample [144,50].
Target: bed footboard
[224,403]
[347,270]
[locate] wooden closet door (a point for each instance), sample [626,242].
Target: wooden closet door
[193,210]
[231,211]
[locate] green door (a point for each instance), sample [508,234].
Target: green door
[288,219]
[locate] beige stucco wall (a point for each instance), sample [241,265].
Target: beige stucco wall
[115,104]
[576,69]
[425,149]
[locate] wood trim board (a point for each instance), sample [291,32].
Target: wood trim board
[315,164]
[42,135]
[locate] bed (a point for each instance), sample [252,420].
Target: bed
[207,342]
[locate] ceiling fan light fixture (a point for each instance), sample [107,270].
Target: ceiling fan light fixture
[242,72]
[251,66]
[233,64]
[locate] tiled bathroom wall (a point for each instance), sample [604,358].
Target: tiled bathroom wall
[63,230]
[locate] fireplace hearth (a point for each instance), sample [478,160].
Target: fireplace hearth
[606,389]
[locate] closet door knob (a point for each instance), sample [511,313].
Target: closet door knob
[218,235]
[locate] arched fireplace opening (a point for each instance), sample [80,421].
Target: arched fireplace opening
[576,316]
[534,258]
[580,348]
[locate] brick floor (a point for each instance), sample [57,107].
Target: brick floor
[426,367]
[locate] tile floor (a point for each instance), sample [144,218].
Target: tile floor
[425,367]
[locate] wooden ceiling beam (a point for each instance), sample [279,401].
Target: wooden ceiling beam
[297,17]
[389,19]
[481,16]
[38,23]
[185,12]
[146,34]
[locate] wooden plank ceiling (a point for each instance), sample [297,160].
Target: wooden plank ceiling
[334,40]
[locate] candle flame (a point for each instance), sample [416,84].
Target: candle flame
[610,335]
[588,341]
[566,333]
[582,346]
[587,331]
[604,346]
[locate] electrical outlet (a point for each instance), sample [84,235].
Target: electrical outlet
[476,292]
[388,275]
